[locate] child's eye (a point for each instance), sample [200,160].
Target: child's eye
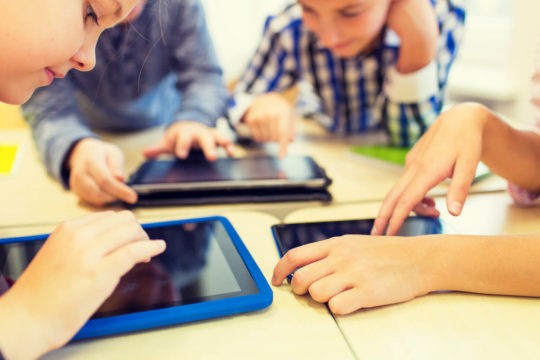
[349,14]
[91,14]
[307,10]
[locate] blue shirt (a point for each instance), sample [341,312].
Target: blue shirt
[160,68]
[351,95]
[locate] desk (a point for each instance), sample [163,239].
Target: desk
[439,325]
[447,325]
[291,328]
[35,198]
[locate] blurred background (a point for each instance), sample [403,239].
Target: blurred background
[494,64]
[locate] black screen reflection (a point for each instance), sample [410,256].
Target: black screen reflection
[289,236]
[172,278]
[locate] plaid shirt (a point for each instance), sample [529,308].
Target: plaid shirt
[352,95]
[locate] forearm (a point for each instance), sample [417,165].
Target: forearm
[484,264]
[19,338]
[204,102]
[54,140]
[511,153]
[415,54]
[56,123]
[415,22]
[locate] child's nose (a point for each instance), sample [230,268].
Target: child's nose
[329,35]
[85,58]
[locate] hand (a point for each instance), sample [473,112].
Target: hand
[451,148]
[356,271]
[77,268]
[415,23]
[145,285]
[97,173]
[181,136]
[271,118]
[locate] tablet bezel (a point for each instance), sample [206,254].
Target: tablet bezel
[183,313]
[282,249]
[320,180]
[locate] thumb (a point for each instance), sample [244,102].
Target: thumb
[115,162]
[156,150]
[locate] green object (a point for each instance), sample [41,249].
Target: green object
[392,154]
[397,155]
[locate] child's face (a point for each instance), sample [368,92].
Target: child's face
[346,27]
[134,14]
[44,39]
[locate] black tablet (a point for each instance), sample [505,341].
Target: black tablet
[260,172]
[205,272]
[288,236]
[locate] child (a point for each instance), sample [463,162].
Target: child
[157,68]
[370,63]
[86,257]
[377,270]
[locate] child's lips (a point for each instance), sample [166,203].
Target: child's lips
[342,45]
[51,75]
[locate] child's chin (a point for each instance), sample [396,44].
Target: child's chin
[346,53]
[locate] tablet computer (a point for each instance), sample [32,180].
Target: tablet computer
[205,272]
[259,172]
[288,236]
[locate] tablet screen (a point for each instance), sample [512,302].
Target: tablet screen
[289,236]
[200,264]
[227,173]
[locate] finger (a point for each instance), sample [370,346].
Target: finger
[424,209]
[208,145]
[88,228]
[116,190]
[274,128]
[298,257]
[124,258]
[107,183]
[292,129]
[389,203]
[304,278]
[162,147]
[283,138]
[257,128]
[184,140]
[88,189]
[462,179]
[224,142]
[267,130]
[347,301]
[413,195]
[84,220]
[251,121]
[113,231]
[115,161]
[327,287]
[411,192]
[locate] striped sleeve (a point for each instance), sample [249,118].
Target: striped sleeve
[274,66]
[407,117]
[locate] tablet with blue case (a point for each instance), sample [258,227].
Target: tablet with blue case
[205,272]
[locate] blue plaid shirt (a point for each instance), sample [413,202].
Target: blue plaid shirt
[350,95]
[160,68]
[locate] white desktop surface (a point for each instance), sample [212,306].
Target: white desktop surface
[447,325]
[291,328]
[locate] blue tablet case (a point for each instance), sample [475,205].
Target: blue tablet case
[258,297]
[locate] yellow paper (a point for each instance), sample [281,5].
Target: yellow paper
[8,154]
